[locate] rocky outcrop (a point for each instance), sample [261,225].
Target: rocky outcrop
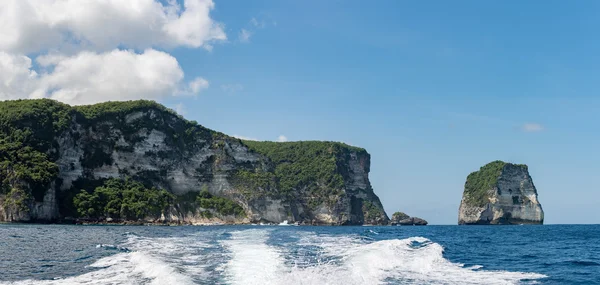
[500,193]
[412,221]
[146,142]
[402,219]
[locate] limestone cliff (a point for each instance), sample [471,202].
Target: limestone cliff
[500,193]
[51,152]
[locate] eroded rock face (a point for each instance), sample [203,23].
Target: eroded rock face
[510,197]
[162,149]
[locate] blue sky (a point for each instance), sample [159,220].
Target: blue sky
[432,90]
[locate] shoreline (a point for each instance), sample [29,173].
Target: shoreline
[167,224]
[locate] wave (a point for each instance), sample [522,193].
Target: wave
[112,247]
[251,260]
[122,268]
[417,260]
[143,261]
[352,260]
[267,256]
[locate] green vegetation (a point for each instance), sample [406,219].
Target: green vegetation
[398,216]
[16,200]
[371,212]
[30,131]
[131,200]
[208,204]
[110,110]
[179,132]
[27,132]
[223,206]
[254,184]
[122,199]
[480,182]
[311,165]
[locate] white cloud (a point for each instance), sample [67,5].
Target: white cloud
[532,128]
[91,51]
[29,26]
[16,76]
[282,138]
[197,85]
[244,36]
[245,138]
[90,77]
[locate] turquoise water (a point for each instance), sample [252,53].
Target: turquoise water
[61,254]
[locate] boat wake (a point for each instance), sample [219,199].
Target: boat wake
[347,260]
[259,256]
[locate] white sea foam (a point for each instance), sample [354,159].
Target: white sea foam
[414,260]
[248,258]
[151,261]
[123,268]
[402,261]
[252,261]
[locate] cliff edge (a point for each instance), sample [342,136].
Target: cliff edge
[500,193]
[139,161]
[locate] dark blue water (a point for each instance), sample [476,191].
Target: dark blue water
[60,254]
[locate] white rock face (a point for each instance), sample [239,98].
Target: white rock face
[157,151]
[513,200]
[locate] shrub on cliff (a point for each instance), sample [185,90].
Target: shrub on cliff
[480,182]
[122,199]
[310,165]
[221,205]
[27,132]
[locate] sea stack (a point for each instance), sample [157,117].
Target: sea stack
[500,193]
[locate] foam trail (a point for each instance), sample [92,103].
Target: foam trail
[252,260]
[123,268]
[414,260]
[146,261]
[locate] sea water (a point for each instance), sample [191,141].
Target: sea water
[62,254]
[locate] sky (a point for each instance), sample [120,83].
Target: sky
[432,91]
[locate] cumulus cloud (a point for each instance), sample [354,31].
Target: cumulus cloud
[91,51]
[91,77]
[532,127]
[28,26]
[282,138]
[16,76]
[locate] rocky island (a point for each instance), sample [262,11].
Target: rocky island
[140,162]
[402,219]
[500,193]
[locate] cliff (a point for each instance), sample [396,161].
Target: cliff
[500,193]
[139,161]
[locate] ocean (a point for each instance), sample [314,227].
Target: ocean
[69,254]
